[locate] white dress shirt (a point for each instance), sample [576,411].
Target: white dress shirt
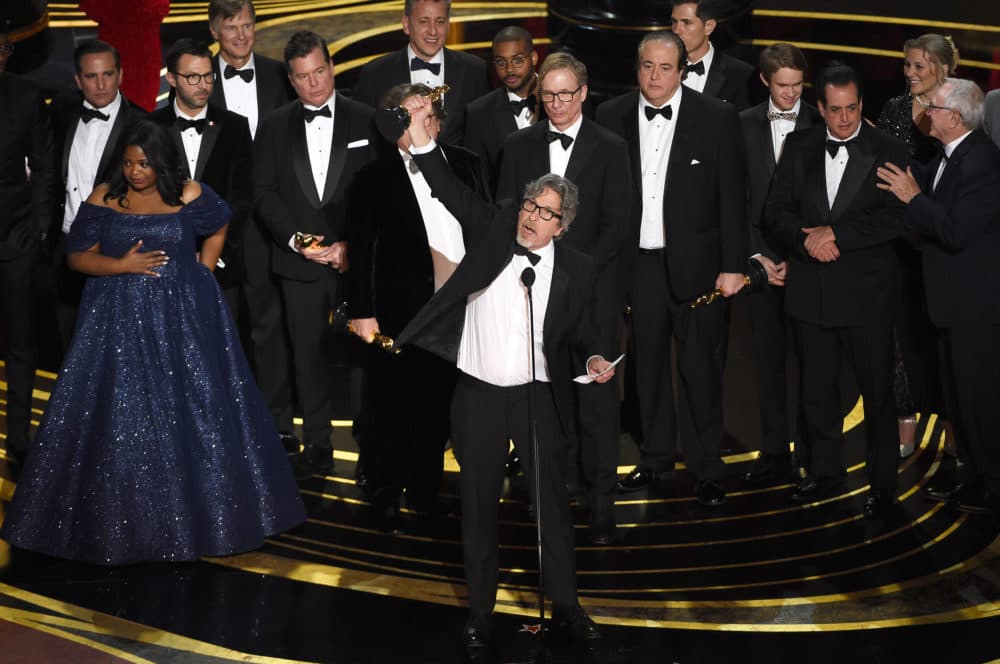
[656,137]
[525,117]
[319,144]
[836,165]
[89,142]
[780,129]
[191,138]
[697,81]
[948,150]
[424,75]
[241,97]
[559,156]
[444,233]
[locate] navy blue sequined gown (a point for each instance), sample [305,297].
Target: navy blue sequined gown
[156,443]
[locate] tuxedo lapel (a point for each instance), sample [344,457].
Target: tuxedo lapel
[219,90]
[716,77]
[815,176]
[765,141]
[113,137]
[208,138]
[341,136]
[684,135]
[583,152]
[502,115]
[73,121]
[558,295]
[630,130]
[300,155]
[862,158]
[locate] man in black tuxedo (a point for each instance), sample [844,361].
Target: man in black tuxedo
[419,244]
[708,71]
[217,147]
[490,119]
[826,214]
[252,85]
[305,158]
[87,127]
[425,22]
[953,201]
[765,127]
[479,319]
[687,237]
[596,160]
[26,201]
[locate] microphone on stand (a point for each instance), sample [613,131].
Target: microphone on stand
[528,279]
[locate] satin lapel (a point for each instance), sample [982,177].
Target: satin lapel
[219,90]
[815,176]
[766,141]
[630,130]
[538,157]
[684,135]
[341,137]
[300,155]
[583,151]
[558,293]
[113,138]
[208,139]
[396,180]
[502,115]
[716,77]
[74,120]
[859,165]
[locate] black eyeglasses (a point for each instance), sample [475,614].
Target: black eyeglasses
[564,96]
[545,214]
[195,79]
[928,106]
[516,61]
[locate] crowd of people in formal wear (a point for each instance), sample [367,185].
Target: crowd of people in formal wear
[513,242]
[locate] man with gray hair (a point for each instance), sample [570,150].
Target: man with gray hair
[480,319]
[953,201]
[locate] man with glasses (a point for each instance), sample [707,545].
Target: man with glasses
[826,214]
[26,201]
[479,319]
[512,106]
[953,201]
[577,148]
[426,60]
[218,150]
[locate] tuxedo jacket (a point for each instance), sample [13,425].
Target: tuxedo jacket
[859,287]
[225,163]
[490,231]
[960,220]
[391,275]
[488,123]
[761,164]
[464,73]
[286,197]
[271,78]
[65,119]
[26,203]
[704,198]
[729,80]
[599,167]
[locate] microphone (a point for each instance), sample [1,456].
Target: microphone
[528,277]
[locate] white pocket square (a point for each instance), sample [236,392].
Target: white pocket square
[695,162]
[357,144]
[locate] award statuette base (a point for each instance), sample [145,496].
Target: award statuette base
[340,321]
[392,122]
[753,282]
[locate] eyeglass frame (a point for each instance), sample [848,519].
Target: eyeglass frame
[539,208]
[558,95]
[198,78]
[927,106]
[515,62]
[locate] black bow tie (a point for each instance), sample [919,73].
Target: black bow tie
[667,112]
[88,114]
[565,140]
[834,146]
[780,115]
[184,124]
[310,114]
[696,68]
[432,67]
[518,106]
[532,256]
[245,74]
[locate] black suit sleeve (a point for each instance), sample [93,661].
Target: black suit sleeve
[361,229]
[782,219]
[732,194]
[879,223]
[470,210]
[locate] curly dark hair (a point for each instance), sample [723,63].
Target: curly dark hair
[162,154]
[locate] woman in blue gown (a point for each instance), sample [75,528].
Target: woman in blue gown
[156,443]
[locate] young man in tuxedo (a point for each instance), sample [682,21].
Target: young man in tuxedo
[827,216]
[253,85]
[953,201]
[490,119]
[217,147]
[479,320]
[27,205]
[596,160]
[765,127]
[305,158]
[426,60]
[688,236]
[708,71]
[87,127]
[419,244]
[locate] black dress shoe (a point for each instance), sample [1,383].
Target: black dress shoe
[387,518]
[290,442]
[575,623]
[709,493]
[769,469]
[476,633]
[816,487]
[879,503]
[360,479]
[640,478]
[513,467]
[946,494]
[602,530]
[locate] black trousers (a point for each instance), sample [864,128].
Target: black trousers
[16,317]
[970,365]
[700,334]
[483,418]
[869,351]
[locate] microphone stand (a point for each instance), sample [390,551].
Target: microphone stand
[528,278]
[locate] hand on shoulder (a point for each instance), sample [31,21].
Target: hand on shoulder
[192,190]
